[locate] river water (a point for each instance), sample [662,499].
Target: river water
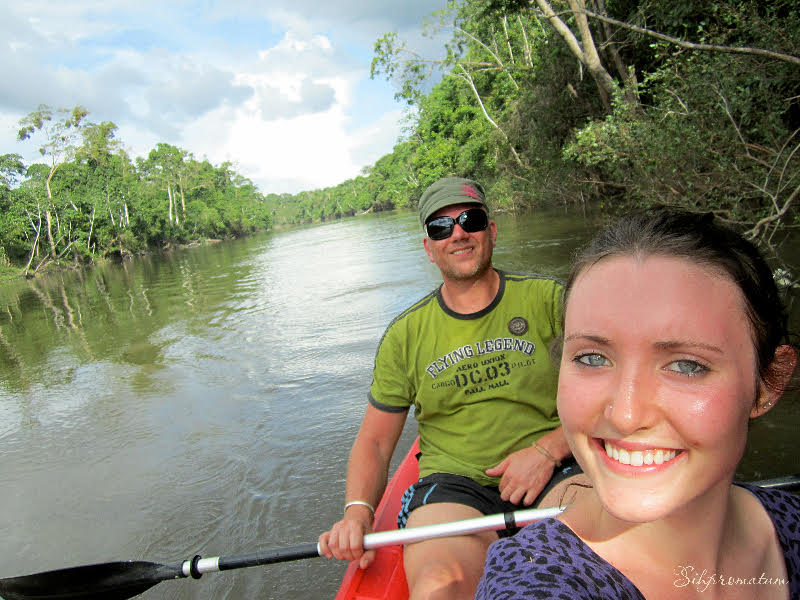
[204,401]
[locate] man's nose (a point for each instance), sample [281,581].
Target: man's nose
[458,232]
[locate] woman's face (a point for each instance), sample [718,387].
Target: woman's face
[658,379]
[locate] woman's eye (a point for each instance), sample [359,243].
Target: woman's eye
[687,367]
[592,360]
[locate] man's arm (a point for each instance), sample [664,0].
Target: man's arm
[525,473]
[367,474]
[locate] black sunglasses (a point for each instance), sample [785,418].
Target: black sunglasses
[471,220]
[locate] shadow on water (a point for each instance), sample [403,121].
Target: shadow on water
[205,401]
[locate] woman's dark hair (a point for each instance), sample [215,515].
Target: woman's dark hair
[703,240]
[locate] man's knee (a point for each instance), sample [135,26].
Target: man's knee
[449,567]
[442,581]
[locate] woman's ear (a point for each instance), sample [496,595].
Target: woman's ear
[779,373]
[767,398]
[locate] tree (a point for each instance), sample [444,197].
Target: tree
[487,53]
[11,169]
[97,202]
[106,164]
[165,164]
[61,129]
[11,225]
[584,49]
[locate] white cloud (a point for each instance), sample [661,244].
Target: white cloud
[295,133]
[281,91]
[9,126]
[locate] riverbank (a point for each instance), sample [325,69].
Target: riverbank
[12,272]
[7,273]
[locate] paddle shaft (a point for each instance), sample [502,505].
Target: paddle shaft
[373,541]
[252,559]
[788,483]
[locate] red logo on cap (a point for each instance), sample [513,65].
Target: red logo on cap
[470,192]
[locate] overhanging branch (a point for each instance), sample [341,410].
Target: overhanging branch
[695,46]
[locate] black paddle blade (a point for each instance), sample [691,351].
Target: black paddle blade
[107,581]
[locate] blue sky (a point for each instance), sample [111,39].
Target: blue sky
[280,88]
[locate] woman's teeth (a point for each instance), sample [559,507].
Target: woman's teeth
[637,458]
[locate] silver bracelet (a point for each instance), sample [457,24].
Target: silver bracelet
[359,503]
[546,453]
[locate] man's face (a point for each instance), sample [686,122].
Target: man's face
[463,255]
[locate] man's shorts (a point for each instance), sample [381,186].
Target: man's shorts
[444,487]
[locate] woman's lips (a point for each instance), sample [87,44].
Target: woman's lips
[640,457]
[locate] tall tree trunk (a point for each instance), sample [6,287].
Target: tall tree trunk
[626,74]
[47,216]
[49,228]
[526,43]
[584,50]
[183,205]
[34,246]
[183,199]
[169,195]
[91,228]
[605,83]
[110,212]
[466,75]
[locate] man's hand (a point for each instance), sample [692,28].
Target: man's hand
[523,475]
[345,540]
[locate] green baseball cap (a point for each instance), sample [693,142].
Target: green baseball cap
[449,191]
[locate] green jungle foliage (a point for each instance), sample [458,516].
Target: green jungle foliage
[694,103]
[617,103]
[91,201]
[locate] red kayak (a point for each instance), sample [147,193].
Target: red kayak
[385,578]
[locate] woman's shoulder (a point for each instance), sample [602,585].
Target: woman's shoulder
[783,509]
[547,560]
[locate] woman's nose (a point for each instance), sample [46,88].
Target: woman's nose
[631,404]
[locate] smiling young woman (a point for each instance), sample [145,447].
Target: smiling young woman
[676,389]
[674,338]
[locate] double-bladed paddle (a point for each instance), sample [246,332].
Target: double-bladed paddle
[125,579]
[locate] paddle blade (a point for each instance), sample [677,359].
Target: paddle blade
[107,581]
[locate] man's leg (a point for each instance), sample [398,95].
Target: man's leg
[445,568]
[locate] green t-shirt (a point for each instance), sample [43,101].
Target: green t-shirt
[483,385]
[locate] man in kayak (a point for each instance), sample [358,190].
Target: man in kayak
[473,358]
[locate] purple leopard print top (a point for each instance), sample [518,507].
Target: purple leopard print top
[547,560]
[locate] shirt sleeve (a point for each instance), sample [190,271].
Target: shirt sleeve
[554,301]
[391,389]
